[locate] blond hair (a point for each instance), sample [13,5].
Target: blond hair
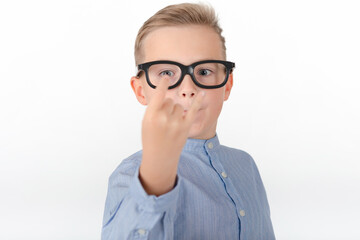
[175,15]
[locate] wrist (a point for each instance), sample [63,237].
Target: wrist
[156,184]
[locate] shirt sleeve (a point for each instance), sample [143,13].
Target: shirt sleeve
[130,213]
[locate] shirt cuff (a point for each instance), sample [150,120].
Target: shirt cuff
[152,203]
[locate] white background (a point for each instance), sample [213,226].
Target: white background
[68,115]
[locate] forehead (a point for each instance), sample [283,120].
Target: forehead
[184,44]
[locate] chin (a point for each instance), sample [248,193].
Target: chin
[202,128]
[198,132]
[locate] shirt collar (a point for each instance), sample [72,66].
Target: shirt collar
[196,144]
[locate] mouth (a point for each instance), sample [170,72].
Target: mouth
[186,110]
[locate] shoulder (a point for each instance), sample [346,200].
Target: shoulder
[236,154]
[127,167]
[121,178]
[241,164]
[238,159]
[119,182]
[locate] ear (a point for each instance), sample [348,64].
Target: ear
[138,89]
[228,87]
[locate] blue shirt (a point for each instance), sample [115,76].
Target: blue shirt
[219,194]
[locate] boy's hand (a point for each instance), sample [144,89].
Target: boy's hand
[164,133]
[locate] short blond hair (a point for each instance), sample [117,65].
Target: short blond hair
[175,15]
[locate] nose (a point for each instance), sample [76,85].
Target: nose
[188,89]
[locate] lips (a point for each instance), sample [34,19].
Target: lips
[185,111]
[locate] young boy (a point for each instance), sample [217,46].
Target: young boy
[184,184]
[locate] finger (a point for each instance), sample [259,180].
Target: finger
[178,111]
[168,105]
[160,92]
[190,116]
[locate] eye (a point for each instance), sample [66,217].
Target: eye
[167,73]
[204,72]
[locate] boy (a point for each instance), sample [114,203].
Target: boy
[184,184]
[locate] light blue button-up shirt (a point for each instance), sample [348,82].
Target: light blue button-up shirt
[219,194]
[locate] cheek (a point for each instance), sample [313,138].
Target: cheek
[215,98]
[214,103]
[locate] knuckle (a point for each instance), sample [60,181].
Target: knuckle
[160,119]
[155,118]
[168,101]
[175,124]
[178,107]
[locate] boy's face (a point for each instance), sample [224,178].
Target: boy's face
[186,45]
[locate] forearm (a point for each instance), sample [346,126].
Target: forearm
[158,172]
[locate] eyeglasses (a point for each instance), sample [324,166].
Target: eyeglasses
[205,74]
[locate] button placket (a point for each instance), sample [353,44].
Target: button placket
[225,178]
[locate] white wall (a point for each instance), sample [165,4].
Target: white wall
[68,115]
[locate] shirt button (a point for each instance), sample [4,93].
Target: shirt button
[210,145]
[242,213]
[224,174]
[142,232]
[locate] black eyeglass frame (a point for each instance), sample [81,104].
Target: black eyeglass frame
[186,70]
